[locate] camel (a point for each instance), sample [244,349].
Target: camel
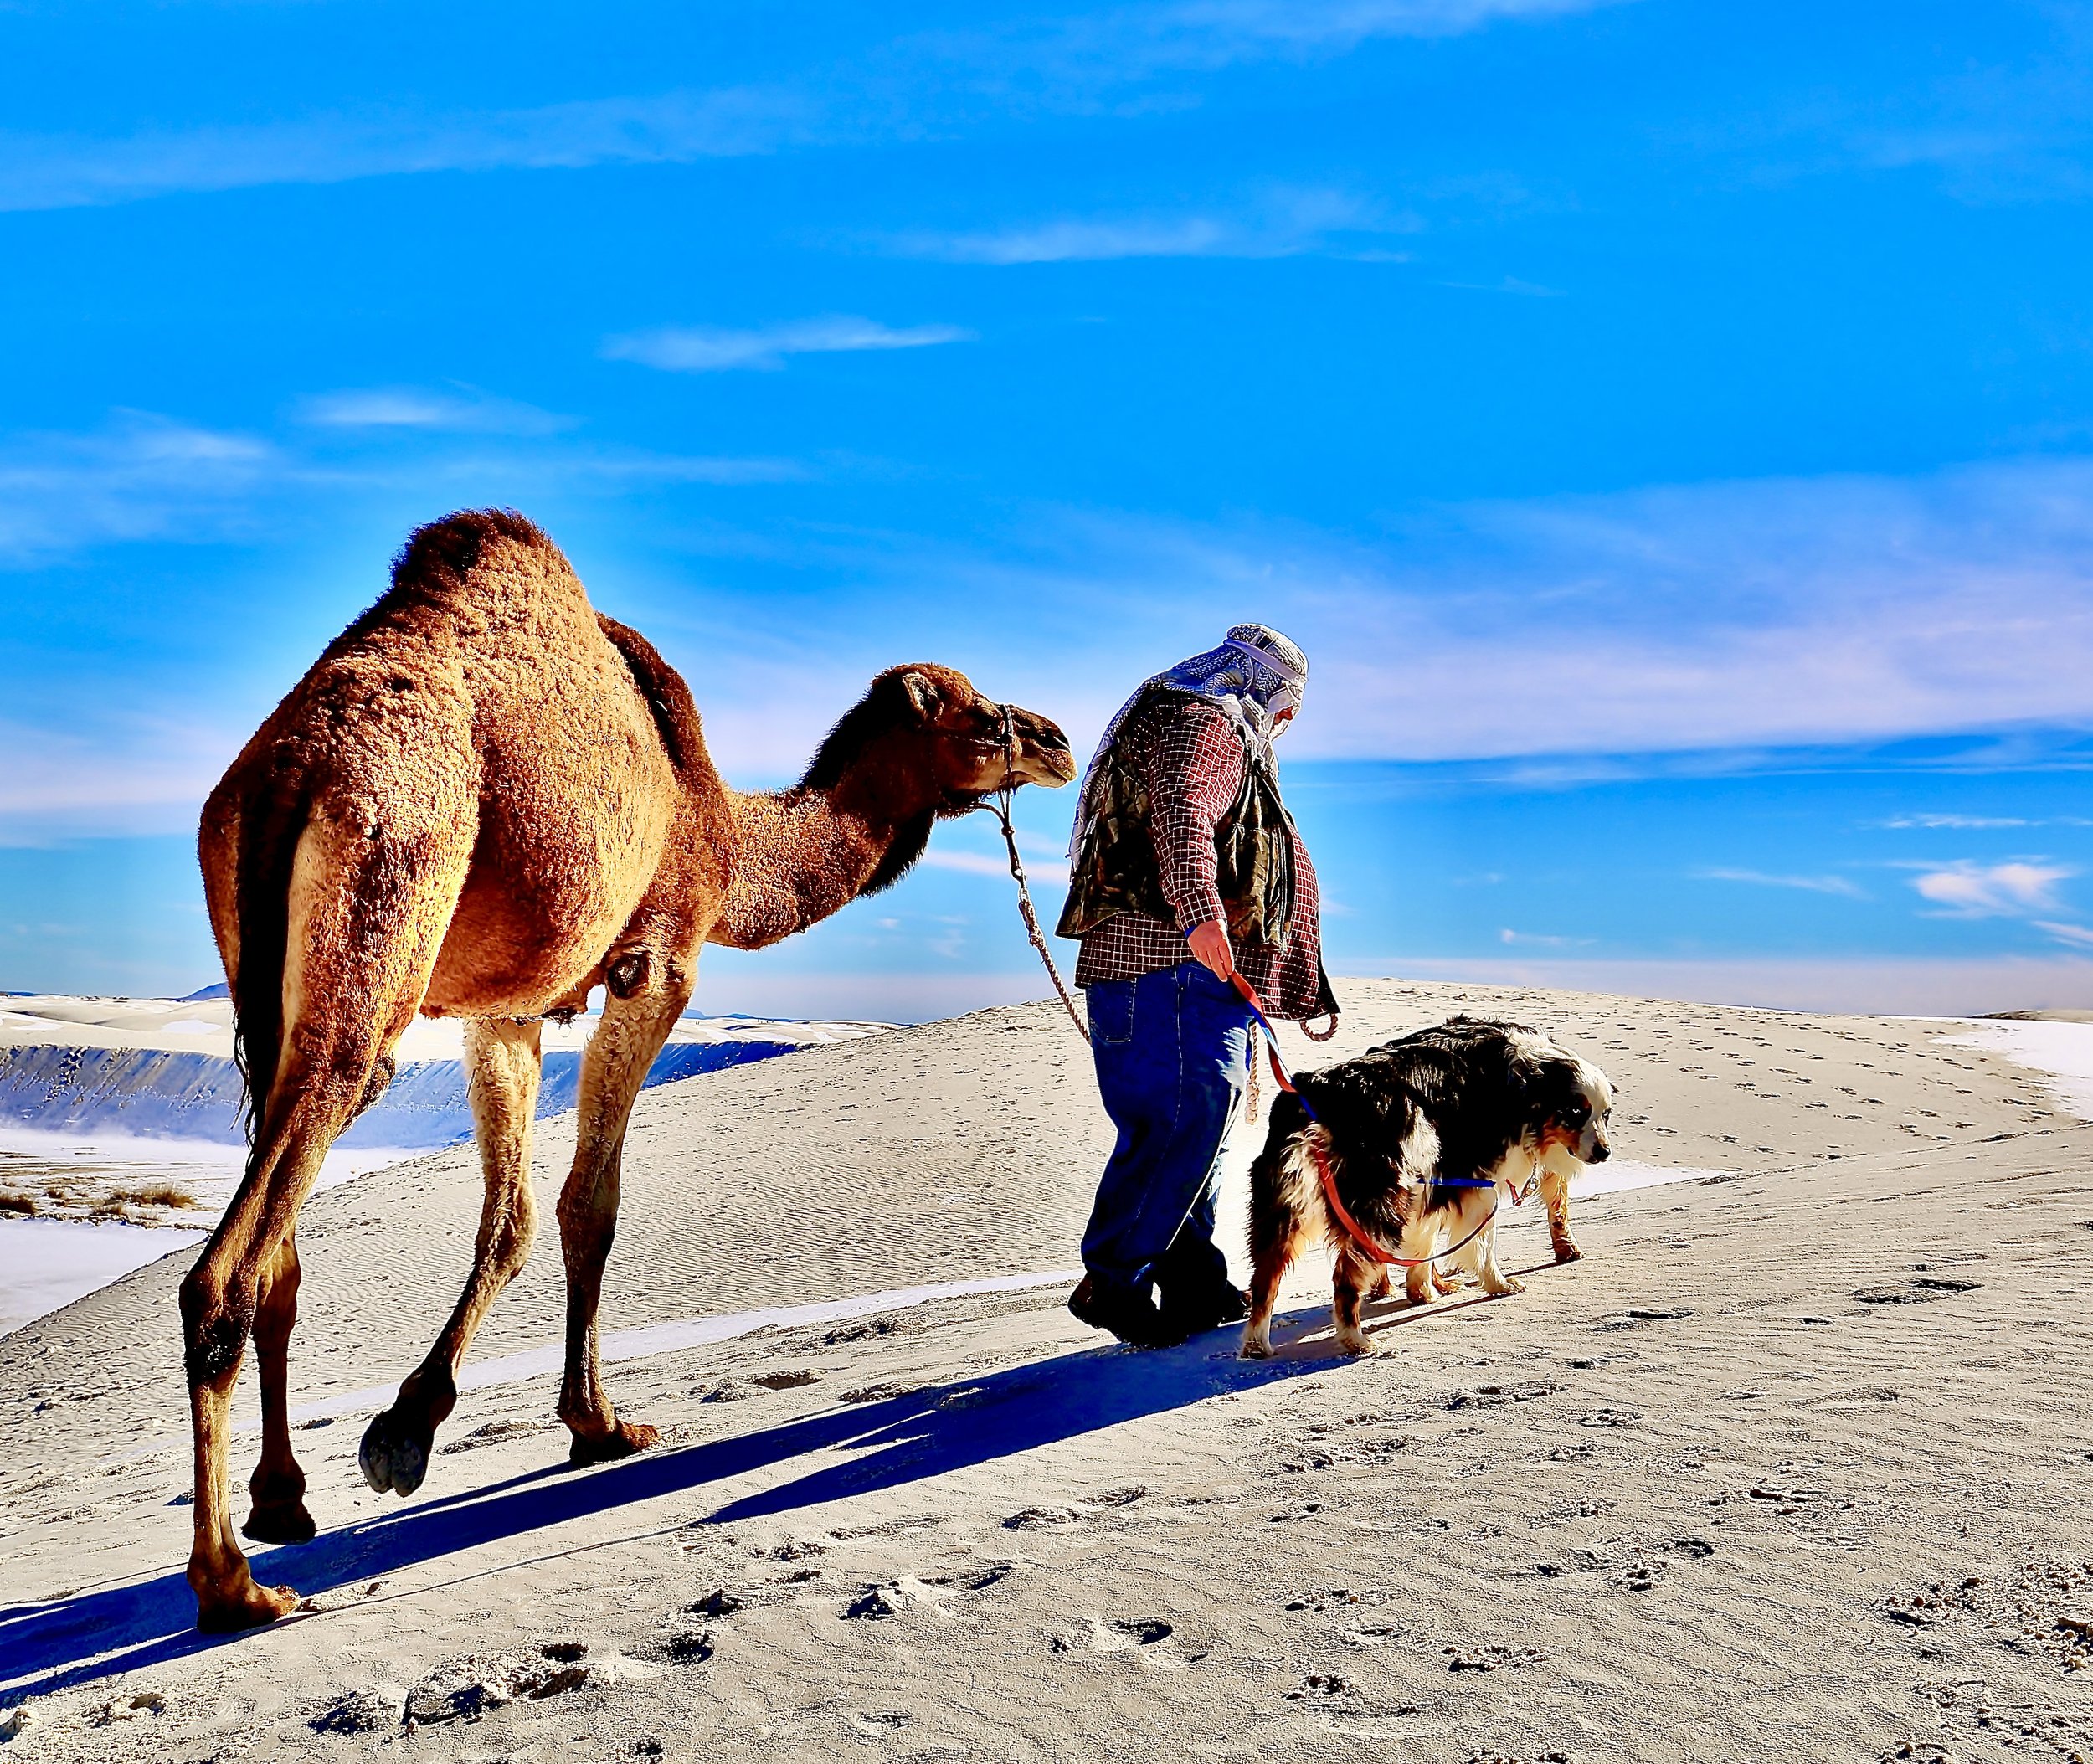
[484,800]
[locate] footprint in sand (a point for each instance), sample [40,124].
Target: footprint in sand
[1041,1519]
[1490,1656]
[1318,1684]
[494,1432]
[718,1602]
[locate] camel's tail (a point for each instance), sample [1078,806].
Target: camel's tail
[262,848]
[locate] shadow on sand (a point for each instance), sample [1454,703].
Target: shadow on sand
[896,1440]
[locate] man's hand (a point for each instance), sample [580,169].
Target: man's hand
[1210,945]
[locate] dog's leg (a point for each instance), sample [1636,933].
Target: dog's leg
[1443,1280]
[1276,1231]
[1354,1274]
[1496,1282]
[1384,1283]
[1420,1239]
[1555,1190]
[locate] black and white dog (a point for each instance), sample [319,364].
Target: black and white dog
[1419,1136]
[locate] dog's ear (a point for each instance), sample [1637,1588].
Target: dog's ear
[1548,1088]
[1526,1079]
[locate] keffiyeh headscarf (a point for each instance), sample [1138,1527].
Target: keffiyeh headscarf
[1253,675]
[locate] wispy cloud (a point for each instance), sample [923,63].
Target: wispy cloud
[706,349]
[66,172]
[1128,43]
[147,477]
[105,771]
[1970,890]
[1955,822]
[1721,615]
[1539,940]
[465,410]
[978,863]
[139,476]
[948,81]
[1810,884]
[1289,223]
[2079,937]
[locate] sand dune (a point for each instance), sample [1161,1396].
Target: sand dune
[1787,1467]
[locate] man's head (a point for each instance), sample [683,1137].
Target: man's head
[1276,670]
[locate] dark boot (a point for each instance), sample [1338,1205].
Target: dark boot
[1130,1316]
[1196,1293]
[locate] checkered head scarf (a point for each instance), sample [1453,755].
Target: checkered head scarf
[1253,675]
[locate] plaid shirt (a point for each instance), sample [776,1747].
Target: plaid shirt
[1192,762]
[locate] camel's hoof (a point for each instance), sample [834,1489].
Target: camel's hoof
[622,1441]
[247,1607]
[1567,1251]
[280,1522]
[394,1455]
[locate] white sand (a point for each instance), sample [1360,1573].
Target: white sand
[1674,1502]
[50,1260]
[177,1025]
[2062,1052]
[45,1263]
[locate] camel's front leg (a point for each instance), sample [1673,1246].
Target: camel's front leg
[647,994]
[503,1063]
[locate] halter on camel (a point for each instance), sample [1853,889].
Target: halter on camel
[1000,808]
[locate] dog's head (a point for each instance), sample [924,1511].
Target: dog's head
[1570,1108]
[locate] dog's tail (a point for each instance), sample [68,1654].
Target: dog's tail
[1276,1211]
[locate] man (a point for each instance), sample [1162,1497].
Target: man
[1185,870]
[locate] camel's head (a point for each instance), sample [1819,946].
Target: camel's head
[953,745]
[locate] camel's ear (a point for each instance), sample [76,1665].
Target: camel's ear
[922,693]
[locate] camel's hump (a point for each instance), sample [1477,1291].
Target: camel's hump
[473,544]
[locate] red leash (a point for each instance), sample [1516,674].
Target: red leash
[1339,1211]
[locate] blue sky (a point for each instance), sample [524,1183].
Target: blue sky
[1668,427]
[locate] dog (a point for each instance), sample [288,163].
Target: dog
[1420,1136]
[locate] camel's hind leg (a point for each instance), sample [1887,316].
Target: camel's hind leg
[503,1063]
[237,1284]
[278,1485]
[647,993]
[366,916]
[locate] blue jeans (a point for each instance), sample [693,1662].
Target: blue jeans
[1171,1051]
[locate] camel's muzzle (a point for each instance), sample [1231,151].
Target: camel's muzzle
[1035,749]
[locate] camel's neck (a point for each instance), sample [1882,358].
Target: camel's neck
[804,853]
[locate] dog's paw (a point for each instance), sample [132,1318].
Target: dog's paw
[1354,1341]
[1504,1286]
[1445,1282]
[1255,1345]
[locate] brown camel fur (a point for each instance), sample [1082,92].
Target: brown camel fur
[484,800]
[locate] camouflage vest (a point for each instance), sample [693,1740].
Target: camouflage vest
[1116,872]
